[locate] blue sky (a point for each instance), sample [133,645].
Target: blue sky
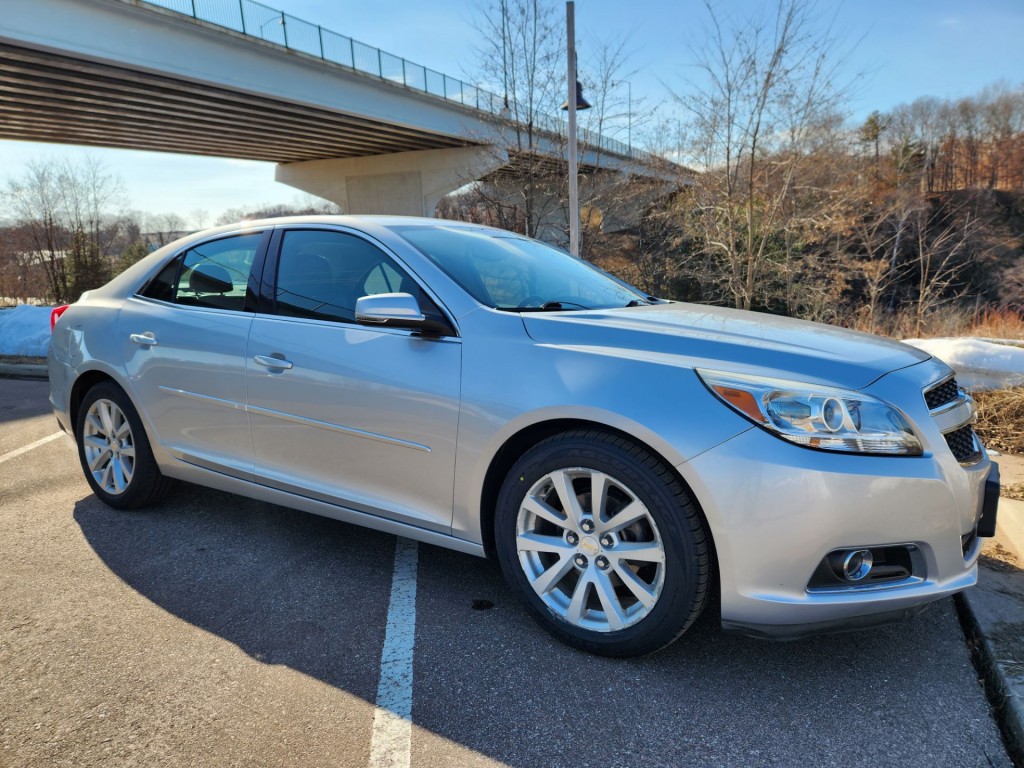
[905,48]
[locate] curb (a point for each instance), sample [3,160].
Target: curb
[1005,696]
[23,371]
[992,618]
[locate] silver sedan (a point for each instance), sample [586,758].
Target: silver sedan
[623,457]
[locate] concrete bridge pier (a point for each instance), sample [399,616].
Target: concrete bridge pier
[402,183]
[609,201]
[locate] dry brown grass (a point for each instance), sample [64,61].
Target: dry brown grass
[1013,491]
[998,324]
[949,321]
[1001,419]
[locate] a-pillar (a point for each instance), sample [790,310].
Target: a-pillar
[403,183]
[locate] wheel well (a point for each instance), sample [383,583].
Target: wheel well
[82,385]
[522,441]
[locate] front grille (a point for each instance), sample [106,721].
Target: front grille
[963,444]
[944,393]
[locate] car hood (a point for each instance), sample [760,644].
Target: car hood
[727,339]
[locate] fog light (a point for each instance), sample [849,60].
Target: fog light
[868,568]
[857,564]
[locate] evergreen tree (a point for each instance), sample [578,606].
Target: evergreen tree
[88,267]
[132,253]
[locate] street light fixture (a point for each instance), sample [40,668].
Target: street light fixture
[581,103]
[275,20]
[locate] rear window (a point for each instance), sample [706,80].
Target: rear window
[214,274]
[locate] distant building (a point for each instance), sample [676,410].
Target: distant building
[154,240]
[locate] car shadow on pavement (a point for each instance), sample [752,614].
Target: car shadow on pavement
[311,593]
[285,587]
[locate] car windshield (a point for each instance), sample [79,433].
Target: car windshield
[513,273]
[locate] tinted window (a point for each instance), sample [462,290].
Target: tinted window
[162,286]
[214,274]
[321,274]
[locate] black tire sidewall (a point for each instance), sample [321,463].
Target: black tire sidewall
[682,595]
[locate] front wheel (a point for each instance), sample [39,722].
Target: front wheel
[603,543]
[114,450]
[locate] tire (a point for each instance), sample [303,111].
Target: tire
[626,581]
[114,450]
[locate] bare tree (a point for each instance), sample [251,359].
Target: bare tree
[876,238]
[67,209]
[943,243]
[522,56]
[769,89]
[35,201]
[200,217]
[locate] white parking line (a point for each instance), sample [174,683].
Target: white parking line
[25,449]
[391,742]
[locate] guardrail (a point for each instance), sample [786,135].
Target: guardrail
[273,26]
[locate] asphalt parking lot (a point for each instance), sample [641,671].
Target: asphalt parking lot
[217,631]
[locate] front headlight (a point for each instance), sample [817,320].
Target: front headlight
[816,417]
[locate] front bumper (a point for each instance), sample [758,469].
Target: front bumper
[783,632]
[776,510]
[987,522]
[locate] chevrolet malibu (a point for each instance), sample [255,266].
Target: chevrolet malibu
[623,457]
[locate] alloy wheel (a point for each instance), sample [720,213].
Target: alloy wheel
[109,446]
[590,549]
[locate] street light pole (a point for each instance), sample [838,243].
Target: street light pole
[629,109]
[504,57]
[570,82]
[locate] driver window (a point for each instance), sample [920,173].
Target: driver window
[320,274]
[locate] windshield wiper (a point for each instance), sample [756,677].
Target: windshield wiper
[646,301]
[547,306]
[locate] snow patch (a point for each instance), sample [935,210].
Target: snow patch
[25,331]
[979,363]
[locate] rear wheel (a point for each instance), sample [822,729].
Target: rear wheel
[114,450]
[603,543]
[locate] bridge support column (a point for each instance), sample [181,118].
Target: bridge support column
[403,183]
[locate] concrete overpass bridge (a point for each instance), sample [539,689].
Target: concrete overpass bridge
[343,120]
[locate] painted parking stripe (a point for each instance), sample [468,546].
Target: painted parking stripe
[391,743]
[25,449]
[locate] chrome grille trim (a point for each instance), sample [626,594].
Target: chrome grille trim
[954,412]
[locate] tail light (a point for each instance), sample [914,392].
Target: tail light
[55,315]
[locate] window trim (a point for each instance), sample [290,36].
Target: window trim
[268,298]
[258,265]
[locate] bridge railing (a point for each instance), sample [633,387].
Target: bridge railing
[271,25]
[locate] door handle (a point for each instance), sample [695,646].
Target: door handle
[145,339]
[272,362]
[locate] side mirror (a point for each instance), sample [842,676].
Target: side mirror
[398,310]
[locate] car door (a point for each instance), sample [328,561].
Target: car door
[184,338]
[363,417]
